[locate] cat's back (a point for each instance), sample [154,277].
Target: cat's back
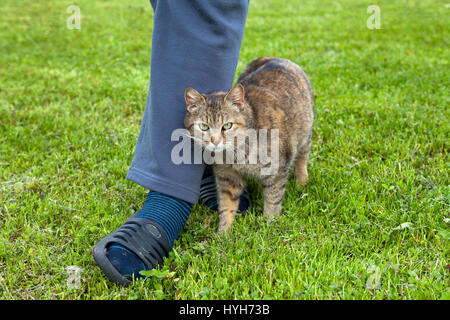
[275,74]
[277,89]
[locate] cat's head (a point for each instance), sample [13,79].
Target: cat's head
[214,119]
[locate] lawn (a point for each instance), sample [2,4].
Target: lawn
[374,222]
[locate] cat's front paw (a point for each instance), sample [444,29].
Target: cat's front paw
[271,211]
[226,219]
[223,228]
[302,179]
[271,216]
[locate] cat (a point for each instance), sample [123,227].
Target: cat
[271,94]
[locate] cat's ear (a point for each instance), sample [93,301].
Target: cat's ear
[236,96]
[193,98]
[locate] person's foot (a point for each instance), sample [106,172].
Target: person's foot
[208,194]
[144,240]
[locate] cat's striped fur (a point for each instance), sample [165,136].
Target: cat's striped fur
[271,93]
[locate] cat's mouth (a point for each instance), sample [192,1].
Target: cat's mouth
[215,148]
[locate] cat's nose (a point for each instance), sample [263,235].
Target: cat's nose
[215,140]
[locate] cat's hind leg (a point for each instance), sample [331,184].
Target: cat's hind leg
[301,165]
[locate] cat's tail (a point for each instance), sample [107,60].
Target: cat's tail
[253,66]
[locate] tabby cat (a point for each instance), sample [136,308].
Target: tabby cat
[272,94]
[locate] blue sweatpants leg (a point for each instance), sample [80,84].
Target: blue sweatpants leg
[195,43]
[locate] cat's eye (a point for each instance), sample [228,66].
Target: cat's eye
[203,126]
[227,126]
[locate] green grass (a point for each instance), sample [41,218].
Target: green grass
[71,103]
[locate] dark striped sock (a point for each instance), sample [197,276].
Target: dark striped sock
[169,213]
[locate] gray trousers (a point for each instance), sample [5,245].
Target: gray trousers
[195,43]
